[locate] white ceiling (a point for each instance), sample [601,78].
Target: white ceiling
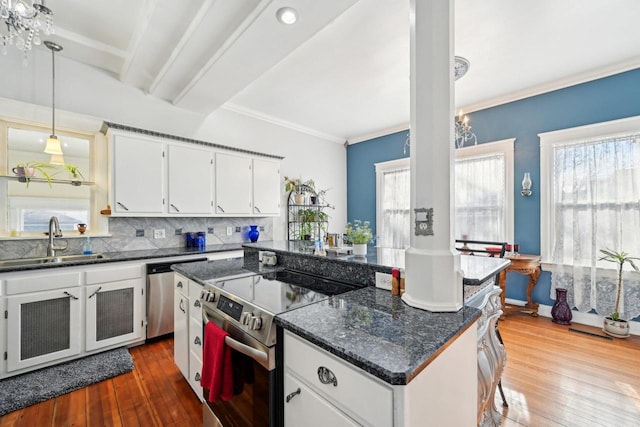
[342,71]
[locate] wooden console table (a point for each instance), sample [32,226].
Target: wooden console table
[528,265]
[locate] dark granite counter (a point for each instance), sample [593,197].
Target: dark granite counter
[378,332]
[128,256]
[206,271]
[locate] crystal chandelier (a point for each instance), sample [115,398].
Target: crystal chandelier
[464,133]
[24,21]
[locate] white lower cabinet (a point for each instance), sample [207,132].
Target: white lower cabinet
[43,326]
[306,408]
[114,313]
[340,390]
[181,326]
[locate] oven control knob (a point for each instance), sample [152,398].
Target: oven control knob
[256,323]
[210,297]
[246,318]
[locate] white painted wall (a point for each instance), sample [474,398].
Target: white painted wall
[98,96]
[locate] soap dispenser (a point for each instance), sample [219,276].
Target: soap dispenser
[87,247]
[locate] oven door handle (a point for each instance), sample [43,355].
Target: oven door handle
[257,355]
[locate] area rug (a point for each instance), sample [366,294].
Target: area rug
[24,390]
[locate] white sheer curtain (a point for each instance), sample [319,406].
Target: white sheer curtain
[480,198]
[596,205]
[394,199]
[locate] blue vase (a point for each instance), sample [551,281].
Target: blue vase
[253,234]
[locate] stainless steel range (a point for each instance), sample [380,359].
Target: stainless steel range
[245,307]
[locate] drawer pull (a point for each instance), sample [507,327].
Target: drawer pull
[326,376]
[197,341]
[196,303]
[292,395]
[179,284]
[197,376]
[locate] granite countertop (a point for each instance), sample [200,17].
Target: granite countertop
[206,271]
[128,256]
[378,332]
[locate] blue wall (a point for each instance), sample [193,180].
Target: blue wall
[601,100]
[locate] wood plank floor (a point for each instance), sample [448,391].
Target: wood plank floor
[553,377]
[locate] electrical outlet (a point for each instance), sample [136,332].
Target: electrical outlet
[238,229]
[139,232]
[383,280]
[262,228]
[158,233]
[209,230]
[229,231]
[178,231]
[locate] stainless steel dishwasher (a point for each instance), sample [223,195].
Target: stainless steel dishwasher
[160,297]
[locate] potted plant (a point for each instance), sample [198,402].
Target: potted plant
[613,324]
[359,234]
[298,187]
[26,170]
[75,174]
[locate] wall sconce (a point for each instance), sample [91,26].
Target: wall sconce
[526,185]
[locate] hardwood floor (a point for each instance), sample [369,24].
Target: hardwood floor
[553,377]
[153,394]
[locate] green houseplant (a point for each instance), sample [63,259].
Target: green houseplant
[26,171]
[613,325]
[359,234]
[75,173]
[299,187]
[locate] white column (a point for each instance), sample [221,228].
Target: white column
[433,280]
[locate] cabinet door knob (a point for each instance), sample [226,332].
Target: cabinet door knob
[197,341]
[292,395]
[179,284]
[196,303]
[197,376]
[326,376]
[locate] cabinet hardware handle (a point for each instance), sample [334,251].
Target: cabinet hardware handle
[196,303]
[292,395]
[122,206]
[70,295]
[197,376]
[197,341]
[220,208]
[181,306]
[179,284]
[326,376]
[174,207]
[258,209]
[97,290]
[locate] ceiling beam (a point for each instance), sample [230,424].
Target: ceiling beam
[146,13]
[90,43]
[186,37]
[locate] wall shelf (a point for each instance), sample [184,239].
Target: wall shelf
[305,219]
[53,181]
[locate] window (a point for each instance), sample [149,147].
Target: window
[484,195]
[590,178]
[484,191]
[29,206]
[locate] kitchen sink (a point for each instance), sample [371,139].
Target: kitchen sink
[48,260]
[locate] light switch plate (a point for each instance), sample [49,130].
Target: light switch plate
[229,231]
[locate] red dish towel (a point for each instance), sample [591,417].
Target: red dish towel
[217,368]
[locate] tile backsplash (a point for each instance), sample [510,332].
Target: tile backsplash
[129,234]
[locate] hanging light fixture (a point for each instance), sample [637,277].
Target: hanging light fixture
[23,19]
[53,146]
[464,133]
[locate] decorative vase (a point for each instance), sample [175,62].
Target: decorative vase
[253,234]
[360,249]
[561,312]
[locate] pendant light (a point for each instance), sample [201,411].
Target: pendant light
[53,146]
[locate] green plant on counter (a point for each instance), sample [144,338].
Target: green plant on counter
[359,233]
[619,258]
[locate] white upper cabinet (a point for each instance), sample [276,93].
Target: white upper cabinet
[266,187]
[158,176]
[190,180]
[138,175]
[233,184]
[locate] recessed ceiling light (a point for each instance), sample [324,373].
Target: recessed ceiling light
[287,15]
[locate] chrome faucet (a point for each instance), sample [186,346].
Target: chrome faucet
[54,231]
